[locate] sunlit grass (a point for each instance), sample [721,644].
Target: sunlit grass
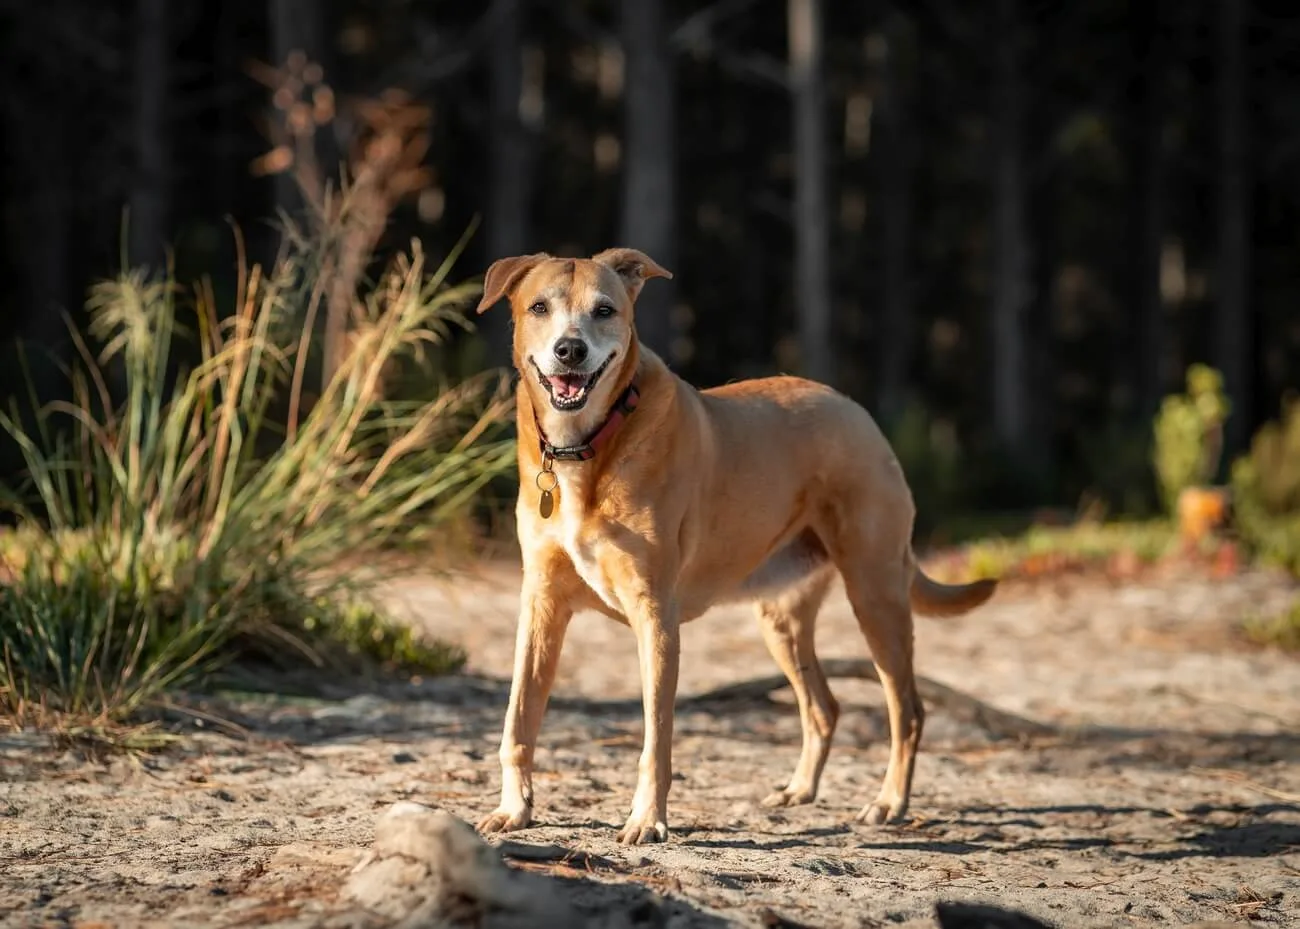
[169,525]
[1046,549]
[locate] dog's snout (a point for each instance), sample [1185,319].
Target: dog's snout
[570,351]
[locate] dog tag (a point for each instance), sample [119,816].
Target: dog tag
[546,482]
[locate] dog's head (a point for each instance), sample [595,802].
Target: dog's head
[573,322]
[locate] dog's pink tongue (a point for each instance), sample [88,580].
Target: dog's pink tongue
[567,385]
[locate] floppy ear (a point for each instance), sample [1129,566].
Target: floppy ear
[503,275]
[633,267]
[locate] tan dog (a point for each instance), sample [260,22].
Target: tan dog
[650,501]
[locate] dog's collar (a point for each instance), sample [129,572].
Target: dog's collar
[622,408]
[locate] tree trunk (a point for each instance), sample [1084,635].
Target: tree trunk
[1233,322]
[150,189]
[1151,360]
[812,261]
[648,220]
[1011,289]
[895,194]
[513,144]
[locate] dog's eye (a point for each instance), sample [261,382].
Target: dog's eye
[604,311]
[538,309]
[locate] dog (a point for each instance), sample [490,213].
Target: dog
[649,501]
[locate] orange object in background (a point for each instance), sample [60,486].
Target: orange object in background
[1201,510]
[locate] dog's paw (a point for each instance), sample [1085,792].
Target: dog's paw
[787,797]
[505,821]
[643,830]
[880,813]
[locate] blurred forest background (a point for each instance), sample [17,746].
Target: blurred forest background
[1006,227]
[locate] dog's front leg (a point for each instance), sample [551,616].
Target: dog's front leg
[655,621]
[542,624]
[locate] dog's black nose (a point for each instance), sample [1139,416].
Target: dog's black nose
[571,352]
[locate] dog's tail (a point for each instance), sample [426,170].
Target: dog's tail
[931,598]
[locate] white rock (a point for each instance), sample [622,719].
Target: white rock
[429,869]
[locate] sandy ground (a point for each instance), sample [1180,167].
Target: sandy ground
[1167,795]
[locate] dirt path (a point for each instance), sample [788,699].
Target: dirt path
[1168,796]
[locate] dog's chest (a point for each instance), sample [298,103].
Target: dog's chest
[581,547]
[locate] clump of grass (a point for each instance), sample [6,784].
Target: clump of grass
[363,632]
[181,521]
[80,640]
[1280,631]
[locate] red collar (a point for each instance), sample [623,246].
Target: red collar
[620,411]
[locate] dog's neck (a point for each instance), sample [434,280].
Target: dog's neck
[587,449]
[568,429]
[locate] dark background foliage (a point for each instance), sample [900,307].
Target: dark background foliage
[1007,227]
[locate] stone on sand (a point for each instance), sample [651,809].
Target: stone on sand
[429,868]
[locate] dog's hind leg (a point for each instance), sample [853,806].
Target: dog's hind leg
[878,591]
[872,549]
[788,622]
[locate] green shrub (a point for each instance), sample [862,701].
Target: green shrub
[360,631]
[1266,490]
[188,524]
[1270,473]
[1189,435]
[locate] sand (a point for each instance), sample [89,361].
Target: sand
[1167,792]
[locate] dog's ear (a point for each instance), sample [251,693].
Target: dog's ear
[633,267]
[503,276]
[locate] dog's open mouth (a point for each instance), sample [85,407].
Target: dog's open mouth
[569,392]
